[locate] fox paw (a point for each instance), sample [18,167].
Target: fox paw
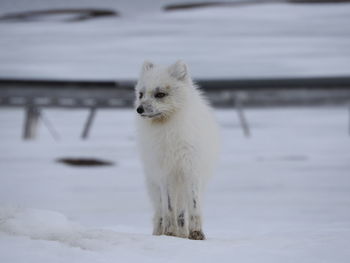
[168,233]
[157,232]
[197,235]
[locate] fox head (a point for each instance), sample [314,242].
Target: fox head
[161,91]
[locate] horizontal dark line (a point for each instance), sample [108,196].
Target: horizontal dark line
[216,84]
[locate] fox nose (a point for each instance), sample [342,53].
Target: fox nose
[140,110]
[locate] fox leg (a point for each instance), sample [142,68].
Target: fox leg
[194,209]
[168,193]
[182,215]
[155,194]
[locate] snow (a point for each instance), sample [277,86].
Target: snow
[251,41]
[281,195]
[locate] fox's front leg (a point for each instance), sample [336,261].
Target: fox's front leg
[158,228]
[169,208]
[155,194]
[182,214]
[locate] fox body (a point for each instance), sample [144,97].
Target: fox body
[178,139]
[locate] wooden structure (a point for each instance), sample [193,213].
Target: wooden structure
[34,95]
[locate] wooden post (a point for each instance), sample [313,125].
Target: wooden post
[88,123]
[31,122]
[349,118]
[49,126]
[241,116]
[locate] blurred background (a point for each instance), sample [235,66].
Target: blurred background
[234,39]
[278,75]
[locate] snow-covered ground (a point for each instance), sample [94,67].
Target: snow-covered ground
[282,195]
[261,40]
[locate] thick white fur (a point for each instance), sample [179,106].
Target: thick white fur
[178,139]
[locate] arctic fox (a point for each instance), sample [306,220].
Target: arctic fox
[178,140]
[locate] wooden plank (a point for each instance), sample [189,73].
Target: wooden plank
[32,115]
[241,116]
[109,94]
[88,123]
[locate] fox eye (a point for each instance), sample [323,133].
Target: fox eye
[160,95]
[140,95]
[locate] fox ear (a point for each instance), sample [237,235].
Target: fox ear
[179,70]
[147,65]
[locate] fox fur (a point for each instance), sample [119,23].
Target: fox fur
[178,142]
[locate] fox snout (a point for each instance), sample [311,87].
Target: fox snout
[140,109]
[146,110]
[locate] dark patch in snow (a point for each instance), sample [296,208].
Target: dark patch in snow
[84,162]
[196,5]
[65,15]
[318,1]
[185,6]
[295,158]
[292,158]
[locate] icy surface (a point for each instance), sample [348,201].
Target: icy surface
[261,40]
[282,195]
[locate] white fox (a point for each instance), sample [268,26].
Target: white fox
[178,139]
